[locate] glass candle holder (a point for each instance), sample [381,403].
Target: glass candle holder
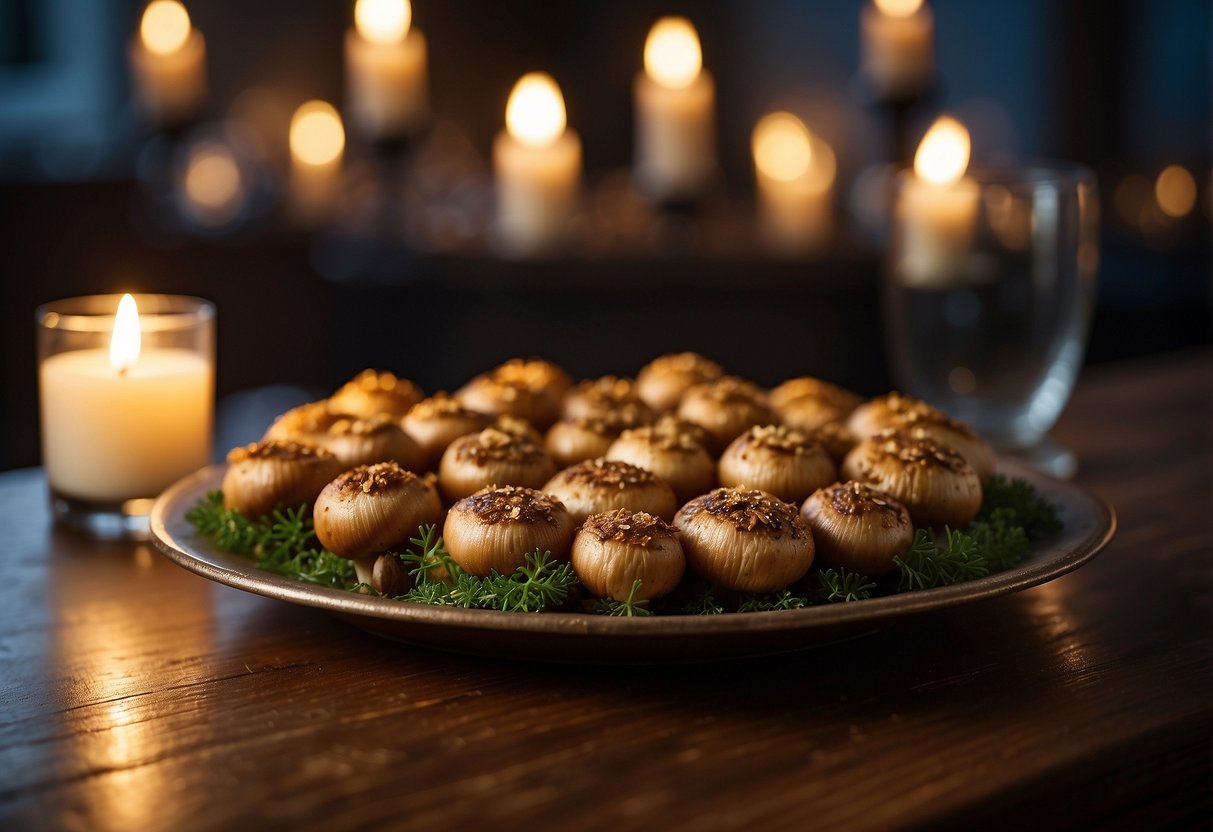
[126,401]
[988,297]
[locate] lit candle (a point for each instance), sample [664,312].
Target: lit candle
[794,171]
[537,161]
[897,47]
[168,64]
[937,207]
[675,100]
[123,423]
[317,142]
[385,71]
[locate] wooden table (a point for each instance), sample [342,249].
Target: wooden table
[138,696]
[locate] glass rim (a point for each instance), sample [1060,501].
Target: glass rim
[95,313]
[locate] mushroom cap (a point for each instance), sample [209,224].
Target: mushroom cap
[374,393]
[532,389]
[615,548]
[599,485]
[857,527]
[374,508]
[436,422]
[662,382]
[573,440]
[810,412]
[675,457]
[747,541]
[725,408]
[492,457]
[836,438]
[934,424]
[815,388]
[301,423]
[933,481]
[273,472]
[496,528]
[777,459]
[879,413]
[600,397]
[356,441]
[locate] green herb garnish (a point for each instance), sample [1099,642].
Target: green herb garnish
[769,602]
[631,607]
[840,585]
[1021,506]
[282,543]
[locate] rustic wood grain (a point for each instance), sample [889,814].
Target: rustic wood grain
[134,695]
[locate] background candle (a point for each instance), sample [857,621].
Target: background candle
[317,142]
[385,71]
[937,208]
[122,422]
[897,47]
[537,161]
[168,64]
[675,100]
[794,173]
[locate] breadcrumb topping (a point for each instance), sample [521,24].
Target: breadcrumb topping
[750,511]
[511,504]
[622,526]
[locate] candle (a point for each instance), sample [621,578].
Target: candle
[123,422]
[794,172]
[897,47]
[385,71]
[937,208]
[168,64]
[537,162]
[317,141]
[675,101]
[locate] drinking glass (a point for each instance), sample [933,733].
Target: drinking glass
[988,297]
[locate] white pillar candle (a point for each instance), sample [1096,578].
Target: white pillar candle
[124,423]
[385,71]
[897,46]
[317,141]
[937,209]
[675,103]
[168,64]
[537,161]
[794,173]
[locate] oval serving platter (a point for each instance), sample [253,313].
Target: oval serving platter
[1089,525]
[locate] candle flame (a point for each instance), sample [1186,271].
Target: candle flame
[535,113]
[782,147]
[383,21]
[672,55]
[124,343]
[943,155]
[898,8]
[165,26]
[1175,191]
[317,135]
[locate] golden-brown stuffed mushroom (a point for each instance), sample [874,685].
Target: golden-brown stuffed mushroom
[725,408]
[600,485]
[614,549]
[663,381]
[858,528]
[272,473]
[374,393]
[496,528]
[781,460]
[492,457]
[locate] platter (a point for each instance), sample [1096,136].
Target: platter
[1089,525]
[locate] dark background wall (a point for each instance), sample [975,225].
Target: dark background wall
[1122,86]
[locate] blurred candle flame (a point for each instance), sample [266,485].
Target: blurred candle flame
[672,55]
[317,135]
[165,26]
[898,8]
[125,342]
[535,113]
[782,147]
[943,155]
[1175,190]
[383,21]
